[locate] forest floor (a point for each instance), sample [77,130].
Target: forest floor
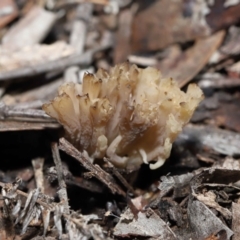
[50,190]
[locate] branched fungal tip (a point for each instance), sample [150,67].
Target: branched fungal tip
[130,115]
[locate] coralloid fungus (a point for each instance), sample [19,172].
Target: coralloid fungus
[130,115]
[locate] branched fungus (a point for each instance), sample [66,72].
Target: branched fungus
[130,115]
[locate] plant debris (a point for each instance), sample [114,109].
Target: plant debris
[130,115]
[85,179]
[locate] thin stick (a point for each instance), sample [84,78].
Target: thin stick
[38,172]
[59,64]
[46,205]
[63,189]
[120,177]
[35,115]
[94,169]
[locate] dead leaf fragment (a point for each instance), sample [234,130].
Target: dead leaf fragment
[182,67]
[166,22]
[209,199]
[204,222]
[156,227]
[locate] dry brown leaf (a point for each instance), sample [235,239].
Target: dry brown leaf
[184,67]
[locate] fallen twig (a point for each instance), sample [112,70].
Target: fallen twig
[94,169]
[31,115]
[63,189]
[60,64]
[38,172]
[120,177]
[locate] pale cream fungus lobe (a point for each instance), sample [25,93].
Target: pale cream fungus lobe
[130,115]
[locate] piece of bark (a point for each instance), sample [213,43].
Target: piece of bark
[33,115]
[216,177]
[32,56]
[6,126]
[211,138]
[143,226]
[94,169]
[62,192]
[209,183]
[178,184]
[209,199]
[30,30]
[236,220]
[8,12]
[37,164]
[161,23]
[13,119]
[204,222]
[182,67]
[7,231]
[214,187]
[229,163]
[46,66]
[119,176]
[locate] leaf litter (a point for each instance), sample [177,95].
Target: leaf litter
[63,194]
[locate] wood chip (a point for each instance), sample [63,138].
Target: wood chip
[32,56]
[30,30]
[236,220]
[183,69]
[157,228]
